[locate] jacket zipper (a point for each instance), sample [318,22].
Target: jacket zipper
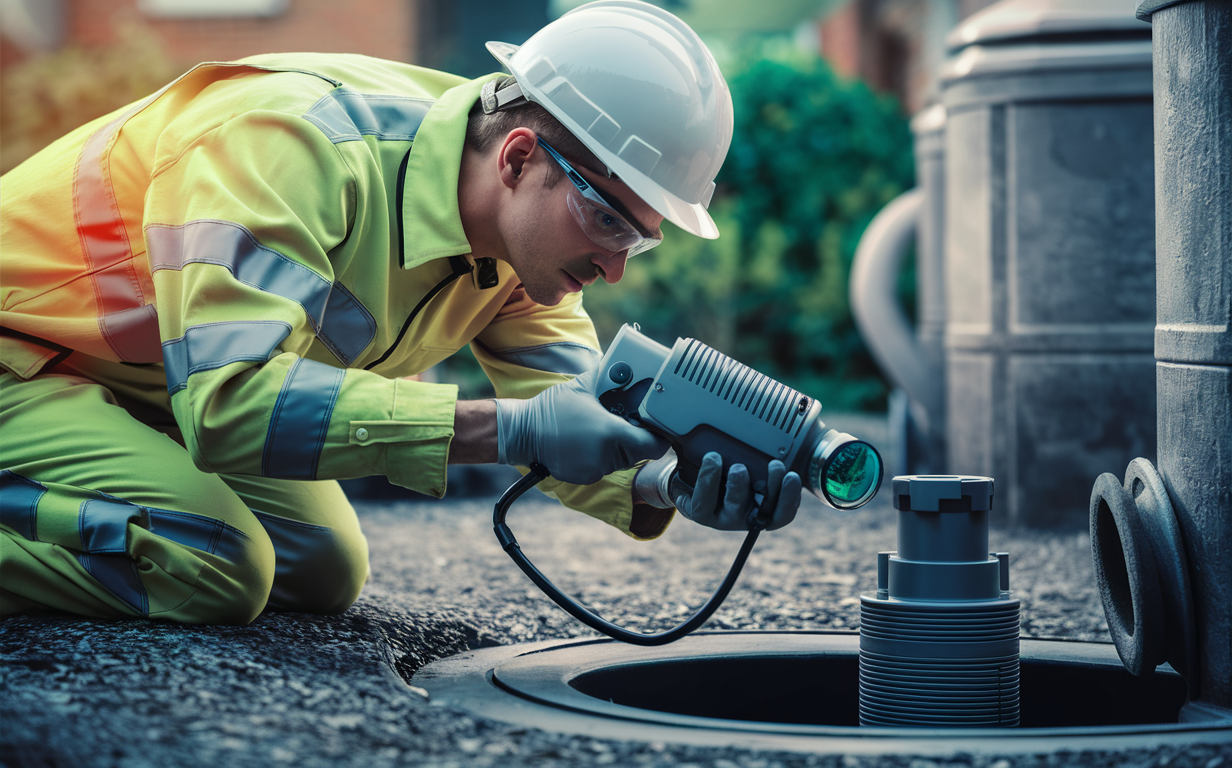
[460,266]
[398,208]
[457,264]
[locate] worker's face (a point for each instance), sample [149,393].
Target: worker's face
[547,248]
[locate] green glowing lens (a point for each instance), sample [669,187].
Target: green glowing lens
[852,474]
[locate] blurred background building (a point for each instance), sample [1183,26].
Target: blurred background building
[823,90]
[893,45]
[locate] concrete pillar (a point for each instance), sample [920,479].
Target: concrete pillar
[929,130]
[1193,335]
[1049,252]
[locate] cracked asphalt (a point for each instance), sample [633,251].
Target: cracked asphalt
[303,690]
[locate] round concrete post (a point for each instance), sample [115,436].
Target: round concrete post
[1049,252]
[1193,335]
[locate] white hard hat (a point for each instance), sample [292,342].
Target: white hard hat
[640,89]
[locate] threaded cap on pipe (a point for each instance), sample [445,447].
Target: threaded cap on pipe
[943,493]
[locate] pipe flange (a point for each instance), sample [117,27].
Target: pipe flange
[1126,574]
[1149,494]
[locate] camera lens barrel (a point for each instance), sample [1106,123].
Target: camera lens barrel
[842,470]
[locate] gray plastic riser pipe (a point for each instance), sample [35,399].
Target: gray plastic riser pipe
[874,305]
[943,536]
[1192,50]
[939,639]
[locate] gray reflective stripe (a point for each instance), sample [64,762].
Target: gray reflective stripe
[205,347]
[233,247]
[300,420]
[200,532]
[557,357]
[348,326]
[118,574]
[103,527]
[128,324]
[341,322]
[298,548]
[19,498]
[344,114]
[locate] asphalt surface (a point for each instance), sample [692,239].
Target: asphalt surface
[301,690]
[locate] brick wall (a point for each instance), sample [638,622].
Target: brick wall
[841,40]
[384,28]
[896,46]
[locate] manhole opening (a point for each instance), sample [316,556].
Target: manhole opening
[824,690]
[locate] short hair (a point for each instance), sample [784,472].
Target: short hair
[483,131]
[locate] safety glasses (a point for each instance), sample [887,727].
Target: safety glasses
[607,224]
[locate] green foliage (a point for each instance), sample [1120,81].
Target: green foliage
[814,157]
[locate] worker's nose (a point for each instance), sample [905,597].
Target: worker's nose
[611,265]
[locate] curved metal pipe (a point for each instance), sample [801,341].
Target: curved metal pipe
[877,312]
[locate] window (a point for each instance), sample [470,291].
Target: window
[171,9]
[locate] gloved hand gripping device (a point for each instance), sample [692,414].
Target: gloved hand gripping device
[701,400]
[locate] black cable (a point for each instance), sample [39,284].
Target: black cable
[538,473]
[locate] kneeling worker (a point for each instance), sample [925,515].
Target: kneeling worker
[211,299]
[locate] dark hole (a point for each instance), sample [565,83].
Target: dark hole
[1116,574]
[824,690]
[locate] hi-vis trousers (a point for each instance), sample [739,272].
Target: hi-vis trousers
[104,515]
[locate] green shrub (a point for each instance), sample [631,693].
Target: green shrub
[813,158]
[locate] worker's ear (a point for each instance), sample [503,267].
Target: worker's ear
[514,155]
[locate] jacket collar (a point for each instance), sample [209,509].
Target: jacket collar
[431,221]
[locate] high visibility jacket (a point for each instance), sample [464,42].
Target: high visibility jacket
[280,238]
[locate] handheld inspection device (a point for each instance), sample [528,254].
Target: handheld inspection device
[700,400]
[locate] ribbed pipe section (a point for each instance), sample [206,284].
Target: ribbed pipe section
[930,665]
[939,639]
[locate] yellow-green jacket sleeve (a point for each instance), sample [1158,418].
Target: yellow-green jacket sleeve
[530,347]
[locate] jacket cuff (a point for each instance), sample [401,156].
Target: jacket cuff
[416,437]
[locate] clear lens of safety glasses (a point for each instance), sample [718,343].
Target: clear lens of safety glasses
[605,227]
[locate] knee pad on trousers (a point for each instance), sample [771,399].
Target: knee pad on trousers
[230,583]
[318,569]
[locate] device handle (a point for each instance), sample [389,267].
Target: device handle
[537,473]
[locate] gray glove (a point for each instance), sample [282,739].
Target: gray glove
[701,504]
[565,429]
